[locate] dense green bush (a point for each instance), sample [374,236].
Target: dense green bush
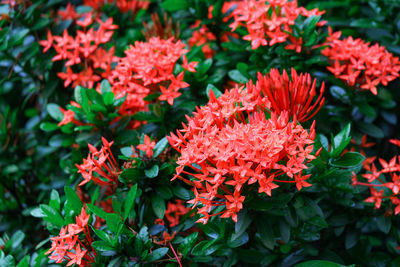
[199,132]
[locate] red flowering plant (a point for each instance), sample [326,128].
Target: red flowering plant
[359,64]
[383,183]
[261,174]
[86,61]
[273,22]
[230,142]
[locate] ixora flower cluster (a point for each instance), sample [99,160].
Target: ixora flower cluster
[148,68]
[122,5]
[360,64]
[100,166]
[86,60]
[70,246]
[270,22]
[387,178]
[231,144]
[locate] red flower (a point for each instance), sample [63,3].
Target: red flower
[202,37]
[375,198]
[175,211]
[83,52]
[395,142]
[68,246]
[148,68]
[270,22]
[360,64]
[147,147]
[293,95]
[100,166]
[229,143]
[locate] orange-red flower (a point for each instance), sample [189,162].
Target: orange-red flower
[175,211]
[230,144]
[388,176]
[294,95]
[83,52]
[148,68]
[202,37]
[69,246]
[123,5]
[100,166]
[360,64]
[147,147]
[270,22]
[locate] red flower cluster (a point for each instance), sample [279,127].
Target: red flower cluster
[100,166]
[202,37]
[86,61]
[123,5]
[175,211]
[293,95]
[68,246]
[69,116]
[359,64]
[270,22]
[230,143]
[147,146]
[378,179]
[148,68]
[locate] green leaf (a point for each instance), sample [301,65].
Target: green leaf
[188,243]
[236,241]
[113,222]
[55,112]
[370,129]
[342,136]
[130,174]
[97,211]
[108,98]
[54,200]
[367,110]
[203,67]
[102,235]
[181,192]
[52,215]
[7,261]
[285,231]
[214,89]
[152,172]
[158,205]
[318,221]
[267,235]
[105,86]
[127,151]
[73,201]
[384,223]
[243,223]
[340,141]
[351,240]
[349,160]
[174,5]
[160,147]
[82,98]
[24,262]
[130,201]
[237,76]
[143,234]
[102,246]
[48,126]
[37,212]
[17,239]
[157,254]
[319,263]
